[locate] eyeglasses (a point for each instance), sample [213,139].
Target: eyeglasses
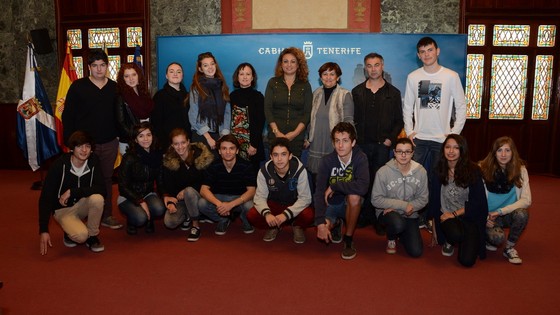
[399,152]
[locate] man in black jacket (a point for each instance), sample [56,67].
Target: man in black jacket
[378,119]
[73,190]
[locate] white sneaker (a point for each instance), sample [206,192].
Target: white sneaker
[512,256]
[391,247]
[491,247]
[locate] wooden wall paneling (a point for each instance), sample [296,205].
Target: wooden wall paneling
[525,6]
[242,23]
[537,147]
[71,8]
[475,134]
[554,165]
[480,4]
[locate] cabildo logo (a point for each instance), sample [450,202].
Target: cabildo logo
[308,49]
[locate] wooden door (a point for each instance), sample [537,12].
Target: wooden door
[512,87]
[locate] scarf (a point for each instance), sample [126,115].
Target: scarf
[500,185]
[212,108]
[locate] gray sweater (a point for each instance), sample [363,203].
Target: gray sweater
[392,189]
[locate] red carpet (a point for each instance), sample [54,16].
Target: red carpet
[240,274]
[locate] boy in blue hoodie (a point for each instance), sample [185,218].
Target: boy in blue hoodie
[342,181]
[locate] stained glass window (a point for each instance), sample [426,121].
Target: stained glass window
[477,35]
[114,66]
[475,75]
[79,64]
[546,35]
[543,86]
[133,36]
[511,35]
[110,37]
[509,86]
[74,38]
[130,58]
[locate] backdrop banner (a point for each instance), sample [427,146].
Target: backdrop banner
[346,49]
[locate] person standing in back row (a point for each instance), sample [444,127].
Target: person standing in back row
[431,94]
[210,110]
[379,120]
[288,99]
[434,107]
[90,107]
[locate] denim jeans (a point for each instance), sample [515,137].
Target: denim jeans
[336,211]
[427,153]
[405,229]
[209,209]
[516,221]
[70,218]
[188,207]
[135,214]
[378,154]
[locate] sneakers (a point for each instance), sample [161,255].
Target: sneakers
[447,249]
[68,242]
[423,223]
[491,247]
[186,225]
[94,244]
[512,256]
[203,219]
[194,235]
[299,234]
[248,228]
[336,232]
[150,228]
[391,247]
[222,226]
[348,252]
[111,222]
[270,234]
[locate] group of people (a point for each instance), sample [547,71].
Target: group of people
[200,157]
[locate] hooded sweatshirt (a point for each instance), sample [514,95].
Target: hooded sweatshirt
[392,189]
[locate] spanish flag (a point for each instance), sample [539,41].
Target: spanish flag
[67,76]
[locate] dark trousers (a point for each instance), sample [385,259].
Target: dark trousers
[405,229]
[107,154]
[378,155]
[465,235]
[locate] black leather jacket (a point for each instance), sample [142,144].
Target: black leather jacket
[138,172]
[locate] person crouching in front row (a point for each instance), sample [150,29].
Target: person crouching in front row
[283,195]
[73,190]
